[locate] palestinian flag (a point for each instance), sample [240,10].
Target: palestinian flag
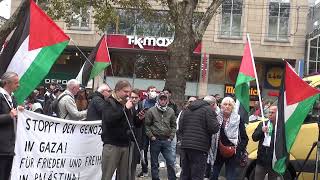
[33,48]
[293,108]
[246,74]
[98,60]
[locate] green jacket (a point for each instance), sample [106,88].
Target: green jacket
[160,124]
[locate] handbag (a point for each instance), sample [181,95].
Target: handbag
[226,151]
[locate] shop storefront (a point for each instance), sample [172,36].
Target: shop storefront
[223,75]
[141,60]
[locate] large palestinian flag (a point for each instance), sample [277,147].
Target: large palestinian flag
[33,48]
[98,60]
[245,75]
[295,101]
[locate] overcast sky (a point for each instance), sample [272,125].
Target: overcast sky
[5,8]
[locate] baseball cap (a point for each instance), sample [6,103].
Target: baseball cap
[162,94]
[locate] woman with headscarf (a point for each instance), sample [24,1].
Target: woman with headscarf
[229,143]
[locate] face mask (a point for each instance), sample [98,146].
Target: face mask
[153,95]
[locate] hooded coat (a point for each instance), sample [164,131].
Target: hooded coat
[197,125]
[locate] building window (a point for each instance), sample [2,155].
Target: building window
[279,12]
[147,66]
[133,22]
[314,56]
[231,19]
[81,20]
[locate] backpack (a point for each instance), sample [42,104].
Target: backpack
[53,109]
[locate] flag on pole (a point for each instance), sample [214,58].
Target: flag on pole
[246,74]
[293,108]
[32,50]
[98,60]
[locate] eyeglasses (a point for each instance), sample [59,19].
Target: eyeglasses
[134,97]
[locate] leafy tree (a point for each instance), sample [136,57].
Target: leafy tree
[181,14]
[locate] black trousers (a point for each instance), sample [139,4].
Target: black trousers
[193,164]
[5,167]
[145,151]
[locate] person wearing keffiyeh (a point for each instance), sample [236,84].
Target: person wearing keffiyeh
[8,112]
[160,123]
[232,133]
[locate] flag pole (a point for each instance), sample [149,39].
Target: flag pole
[113,79]
[257,82]
[87,60]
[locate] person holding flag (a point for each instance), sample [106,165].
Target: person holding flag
[264,134]
[293,108]
[8,112]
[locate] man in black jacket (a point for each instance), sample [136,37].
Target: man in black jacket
[264,134]
[116,132]
[196,127]
[9,83]
[97,102]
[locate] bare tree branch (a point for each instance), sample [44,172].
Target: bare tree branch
[206,18]
[14,20]
[173,9]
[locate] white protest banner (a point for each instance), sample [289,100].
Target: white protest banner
[50,148]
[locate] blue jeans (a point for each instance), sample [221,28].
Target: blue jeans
[174,149]
[231,166]
[163,146]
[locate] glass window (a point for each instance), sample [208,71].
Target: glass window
[217,71]
[312,67]
[81,20]
[231,18]
[279,11]
[313,53]
[314,56]
[133,22]
[147,66]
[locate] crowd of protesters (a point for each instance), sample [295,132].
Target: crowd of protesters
[206,133]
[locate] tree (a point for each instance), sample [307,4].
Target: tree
[187,34]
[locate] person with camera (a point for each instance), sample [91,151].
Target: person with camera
[147,103]
[138,114]
[264,134]
[229,144]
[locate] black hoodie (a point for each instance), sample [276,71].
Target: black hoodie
[197,125]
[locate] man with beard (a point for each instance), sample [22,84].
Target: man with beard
[116,132]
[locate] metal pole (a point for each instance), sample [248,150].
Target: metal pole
[257,82]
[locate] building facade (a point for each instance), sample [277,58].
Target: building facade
[277,31]
[313,40]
